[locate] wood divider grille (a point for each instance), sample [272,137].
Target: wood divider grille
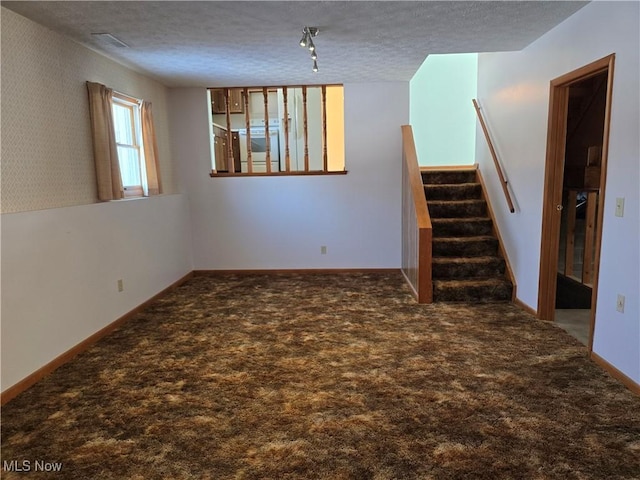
[298,139]
[247,121]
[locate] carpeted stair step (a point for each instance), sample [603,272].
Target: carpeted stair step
[457,208]
[466,266]
[462,227]
[444,268]
[475,290]
[448,176]
[456,191]
[481,246]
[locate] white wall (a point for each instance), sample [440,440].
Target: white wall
[442,115]
[62,254]
[281,222]
[514,91]
[60,269]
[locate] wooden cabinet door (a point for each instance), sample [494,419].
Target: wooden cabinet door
[235,147]
[236,103]
[217,100]
[220,150]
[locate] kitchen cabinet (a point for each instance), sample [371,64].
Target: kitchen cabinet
[221,151]
[236,101]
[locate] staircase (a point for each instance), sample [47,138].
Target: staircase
[467,266]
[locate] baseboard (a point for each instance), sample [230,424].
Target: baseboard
[501,245]
[525,307]
[610,369]
[65,357]
[305,271]
[413,290]
[13,391]
[615,373]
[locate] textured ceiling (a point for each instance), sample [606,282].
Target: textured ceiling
[256,43]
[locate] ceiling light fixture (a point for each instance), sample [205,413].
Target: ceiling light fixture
[307,41]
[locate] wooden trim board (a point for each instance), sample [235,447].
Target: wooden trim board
[553,179]
[525,307]
[496,232]
[411,287]
[615,373]
[313,271]
[418,209]
[448,168]
[65,357]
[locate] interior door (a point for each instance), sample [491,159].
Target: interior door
[560,183]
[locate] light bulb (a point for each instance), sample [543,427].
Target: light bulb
[312,47]
[314,55]
[315,66]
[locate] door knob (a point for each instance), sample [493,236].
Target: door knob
[559,207]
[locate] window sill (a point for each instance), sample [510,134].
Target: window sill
[215,174]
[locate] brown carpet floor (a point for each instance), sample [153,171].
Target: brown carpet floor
[326,377]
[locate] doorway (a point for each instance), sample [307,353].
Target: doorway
[575,179]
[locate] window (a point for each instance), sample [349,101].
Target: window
[291,130]
[125,150]
[126,121]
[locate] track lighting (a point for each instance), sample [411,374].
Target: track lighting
[307,41]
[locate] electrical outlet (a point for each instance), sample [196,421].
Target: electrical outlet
[620,207]
[620,303]
[323,250]
[120,285]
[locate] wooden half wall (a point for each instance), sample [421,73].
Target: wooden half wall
[416,224]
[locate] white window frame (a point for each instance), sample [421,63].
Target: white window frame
[133,105]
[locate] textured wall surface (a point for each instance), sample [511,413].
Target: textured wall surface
[47,157]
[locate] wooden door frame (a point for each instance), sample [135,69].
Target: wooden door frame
[553,181]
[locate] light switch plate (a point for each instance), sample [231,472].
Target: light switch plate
[620,207]
[620,303]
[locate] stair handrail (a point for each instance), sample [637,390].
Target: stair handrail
[494,155]
[417,228]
